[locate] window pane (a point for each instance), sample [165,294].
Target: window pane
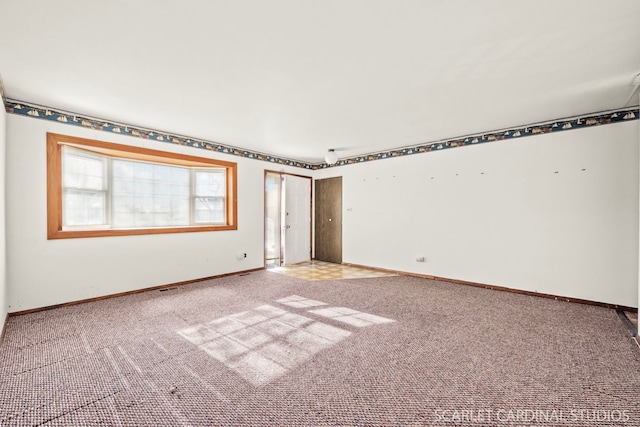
[82,207]
[210,183]
[179,178]
[123,219]
[209,210]
[142,171]
[122,169]
[149,195]
[179,211]
[83,170]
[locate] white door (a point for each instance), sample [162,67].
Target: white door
[297,219]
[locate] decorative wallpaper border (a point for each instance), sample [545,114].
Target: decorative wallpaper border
[595,119]
[39,112]
[614,116]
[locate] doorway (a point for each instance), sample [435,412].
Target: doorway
[328,212]
[287,219]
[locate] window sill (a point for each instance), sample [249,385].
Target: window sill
[73,234]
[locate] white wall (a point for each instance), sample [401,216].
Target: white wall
[45,272]
[518,225]
[3,252]
[498,213]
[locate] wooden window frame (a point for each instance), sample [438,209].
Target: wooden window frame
[55,143]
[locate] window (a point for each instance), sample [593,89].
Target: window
[101,189]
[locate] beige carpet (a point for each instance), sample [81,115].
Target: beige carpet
[270,350]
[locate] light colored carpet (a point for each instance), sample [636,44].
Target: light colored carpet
[270,350]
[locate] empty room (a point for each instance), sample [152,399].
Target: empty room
[319,213]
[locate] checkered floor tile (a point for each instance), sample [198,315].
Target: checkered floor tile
[320,270]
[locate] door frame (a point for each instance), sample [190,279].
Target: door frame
[282,201]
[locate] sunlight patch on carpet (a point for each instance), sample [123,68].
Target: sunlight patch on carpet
[351,317]
[266,342]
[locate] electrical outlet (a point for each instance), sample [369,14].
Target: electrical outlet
[242,256]
[421,259]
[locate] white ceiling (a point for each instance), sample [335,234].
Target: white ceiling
[297,77]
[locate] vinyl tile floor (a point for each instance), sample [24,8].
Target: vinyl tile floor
[321,270]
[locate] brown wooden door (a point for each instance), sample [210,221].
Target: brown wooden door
[328,211]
